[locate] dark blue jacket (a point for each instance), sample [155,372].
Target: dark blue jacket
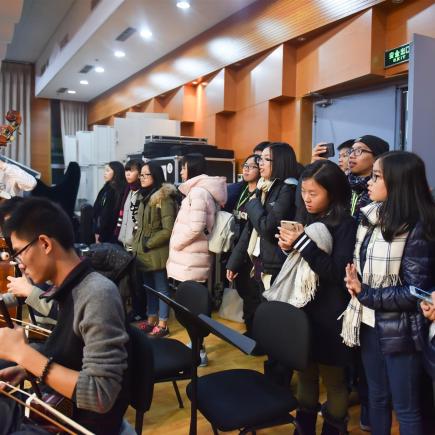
[400,325]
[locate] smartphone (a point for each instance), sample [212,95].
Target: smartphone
[421,294]
[330,150]
[291,225]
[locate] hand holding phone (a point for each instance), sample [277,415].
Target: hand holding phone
[330,150]
[292,225]
[421,294]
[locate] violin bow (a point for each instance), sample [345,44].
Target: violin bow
[53,411]
[28,326]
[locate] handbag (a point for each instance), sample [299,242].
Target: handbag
[232,305]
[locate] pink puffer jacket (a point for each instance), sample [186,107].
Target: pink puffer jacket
[189,257]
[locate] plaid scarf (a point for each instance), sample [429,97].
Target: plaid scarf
[381,269]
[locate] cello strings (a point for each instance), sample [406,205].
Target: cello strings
[35,328]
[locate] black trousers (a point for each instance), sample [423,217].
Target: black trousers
[250,290]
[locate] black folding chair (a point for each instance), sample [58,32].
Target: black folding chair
[247,400]
[142,375]
[173,360]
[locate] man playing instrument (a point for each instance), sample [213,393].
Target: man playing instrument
[85,357]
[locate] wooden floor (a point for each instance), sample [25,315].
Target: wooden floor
[165,418]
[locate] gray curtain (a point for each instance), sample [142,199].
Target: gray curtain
[73,118]
[15,94]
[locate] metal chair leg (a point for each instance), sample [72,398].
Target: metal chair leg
[139,422]
[177,393]
[215,431]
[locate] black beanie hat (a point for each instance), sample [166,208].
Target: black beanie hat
[377,145]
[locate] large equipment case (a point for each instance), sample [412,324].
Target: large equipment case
[216,166]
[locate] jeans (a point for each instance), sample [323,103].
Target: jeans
[391,378]
[158,281]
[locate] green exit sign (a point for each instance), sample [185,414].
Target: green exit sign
[397,55]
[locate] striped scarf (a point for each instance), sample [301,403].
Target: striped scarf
[381,269]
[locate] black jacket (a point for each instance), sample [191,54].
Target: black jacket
[399,323]
[331,298]
[106,211]
[279,204]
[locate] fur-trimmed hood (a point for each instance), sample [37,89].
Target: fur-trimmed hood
[164,192]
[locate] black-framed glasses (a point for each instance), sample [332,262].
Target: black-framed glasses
[145,175]
[17,256]
[249,167]
[358,151]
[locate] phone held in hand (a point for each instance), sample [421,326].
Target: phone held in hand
[421,294]
[330,150]
[292,225]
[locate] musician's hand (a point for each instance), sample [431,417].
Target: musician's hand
[20,287]
[12,375]
[12,343]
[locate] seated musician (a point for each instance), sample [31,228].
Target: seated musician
[85,357]
[45,311]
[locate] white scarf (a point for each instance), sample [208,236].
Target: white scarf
[381,269]
[254,242]
[296,282]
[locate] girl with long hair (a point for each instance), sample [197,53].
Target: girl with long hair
[395,248]
[318,252]
[107,204]
[155,220]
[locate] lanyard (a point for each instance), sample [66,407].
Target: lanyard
[243,198]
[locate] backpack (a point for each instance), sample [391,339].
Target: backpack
[221,237]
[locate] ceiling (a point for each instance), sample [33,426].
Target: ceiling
[44,21]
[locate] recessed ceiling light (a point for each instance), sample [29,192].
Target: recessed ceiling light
[204,83]
[99,69]
[195,82]
[183,5]
[71,91]
[119,53]
[84,82]
[302,39]
[146,33]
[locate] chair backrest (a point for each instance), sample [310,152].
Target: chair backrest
[196,298]
[283,332]
[141,370]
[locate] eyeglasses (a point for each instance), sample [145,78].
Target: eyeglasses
[17,256]
[265,159]
[145,175]
[358,151]
[249,167]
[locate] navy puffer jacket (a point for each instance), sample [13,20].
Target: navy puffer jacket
[400,325]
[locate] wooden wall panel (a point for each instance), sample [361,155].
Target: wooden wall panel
[263,25]
[263,78]
[330,59]
[41,138]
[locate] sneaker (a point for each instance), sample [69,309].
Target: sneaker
[158,332]
[204,358]
[145,326]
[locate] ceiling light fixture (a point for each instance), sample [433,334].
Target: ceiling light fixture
[195,82]
[183,5]
[71,91]
[146,33]
[99,69]
[118,53]
[302,39]
[84,82]
[204,83]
